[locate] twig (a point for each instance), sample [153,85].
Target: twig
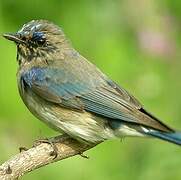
[41,155]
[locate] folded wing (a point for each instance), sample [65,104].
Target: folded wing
[102,97]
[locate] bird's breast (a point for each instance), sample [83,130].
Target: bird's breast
[83,125]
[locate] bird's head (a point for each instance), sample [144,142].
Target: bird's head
[37,39]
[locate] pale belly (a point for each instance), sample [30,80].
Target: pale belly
[82,125]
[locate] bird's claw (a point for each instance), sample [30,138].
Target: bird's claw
[54,152]
[83,155]
[21,149]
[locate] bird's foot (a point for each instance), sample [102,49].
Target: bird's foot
[54,152]
[83,155]
[52,142]
[7,169]
[21,149]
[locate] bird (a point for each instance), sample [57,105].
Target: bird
[72,96]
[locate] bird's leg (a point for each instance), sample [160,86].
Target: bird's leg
[52,142]
[63,138]
[60,138]
[48,141]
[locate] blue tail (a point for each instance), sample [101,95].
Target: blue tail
[173,137]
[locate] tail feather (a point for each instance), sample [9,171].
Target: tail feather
[173,137]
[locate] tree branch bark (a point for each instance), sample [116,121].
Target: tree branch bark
[41,155]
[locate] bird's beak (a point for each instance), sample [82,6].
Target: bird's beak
[14,37]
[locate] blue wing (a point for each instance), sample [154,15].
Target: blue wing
[99,96]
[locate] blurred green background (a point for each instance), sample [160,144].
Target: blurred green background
[137,44]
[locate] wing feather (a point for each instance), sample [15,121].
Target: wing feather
[105,99]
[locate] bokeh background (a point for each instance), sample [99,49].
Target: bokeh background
[136,43]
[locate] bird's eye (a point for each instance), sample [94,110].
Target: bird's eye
[39,38]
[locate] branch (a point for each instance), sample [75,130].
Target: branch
[41,155]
